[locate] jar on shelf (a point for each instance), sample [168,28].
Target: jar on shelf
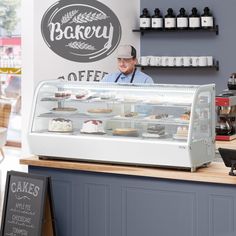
[194,19]
[207,19]
[182,19]
[157,19]
[145,19]
[170,19]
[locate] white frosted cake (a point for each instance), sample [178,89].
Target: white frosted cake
[60,125]
[92,127]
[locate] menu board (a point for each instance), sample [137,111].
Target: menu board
[24,204]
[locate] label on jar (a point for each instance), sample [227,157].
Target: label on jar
[194,22]
[182,22]
[157,22]
[145,22]
[170,22]
[207,21]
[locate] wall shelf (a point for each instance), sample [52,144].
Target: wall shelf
[214,29]
[214,67]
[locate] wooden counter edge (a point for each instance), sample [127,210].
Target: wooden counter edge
[226,144]
[216,172]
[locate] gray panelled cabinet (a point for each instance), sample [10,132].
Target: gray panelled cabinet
[97,204]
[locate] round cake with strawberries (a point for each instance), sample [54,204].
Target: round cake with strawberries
[92,127]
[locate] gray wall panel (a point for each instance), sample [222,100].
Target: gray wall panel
[162,211]
[221,209]
[62,192]
[97,209]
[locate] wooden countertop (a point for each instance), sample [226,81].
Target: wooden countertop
[216,172]
[226,144]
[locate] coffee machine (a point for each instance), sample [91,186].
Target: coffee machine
[226,112]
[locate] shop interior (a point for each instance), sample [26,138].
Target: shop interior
[206,44]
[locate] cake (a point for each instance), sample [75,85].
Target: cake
[92,127]
[160,116]
[156,129]
[182,131]
[100,110]
[81,94]
[125,132]
[107,95]
[63,94]
[130,114]
[185,116]
[60,125]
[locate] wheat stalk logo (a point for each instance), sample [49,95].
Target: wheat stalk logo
[68,16]
[88,17]
[80,45]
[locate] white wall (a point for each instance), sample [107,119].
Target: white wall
[52,66]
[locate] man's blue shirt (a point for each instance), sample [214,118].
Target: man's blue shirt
[139,78]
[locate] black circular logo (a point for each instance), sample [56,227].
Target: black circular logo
[81,31]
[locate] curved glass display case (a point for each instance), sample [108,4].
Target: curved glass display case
[161,125]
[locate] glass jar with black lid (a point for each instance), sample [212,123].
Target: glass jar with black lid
[207,19]
[145,19]
[194,19]
[182,19]
[157,19]
[170,19]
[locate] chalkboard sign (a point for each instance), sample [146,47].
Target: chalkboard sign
[27,209]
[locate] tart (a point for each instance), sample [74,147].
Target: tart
[125,132]
[100,110]
[66,109]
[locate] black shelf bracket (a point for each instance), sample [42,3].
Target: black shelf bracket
[217,65]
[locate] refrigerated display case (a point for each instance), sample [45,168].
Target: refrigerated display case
[137,124]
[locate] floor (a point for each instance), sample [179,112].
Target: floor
[10,162]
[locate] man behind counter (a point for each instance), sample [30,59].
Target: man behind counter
[126,59]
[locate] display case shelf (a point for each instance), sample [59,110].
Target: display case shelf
[142,119]
[214,29]
[108,101]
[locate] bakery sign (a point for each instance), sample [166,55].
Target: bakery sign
[81,30]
